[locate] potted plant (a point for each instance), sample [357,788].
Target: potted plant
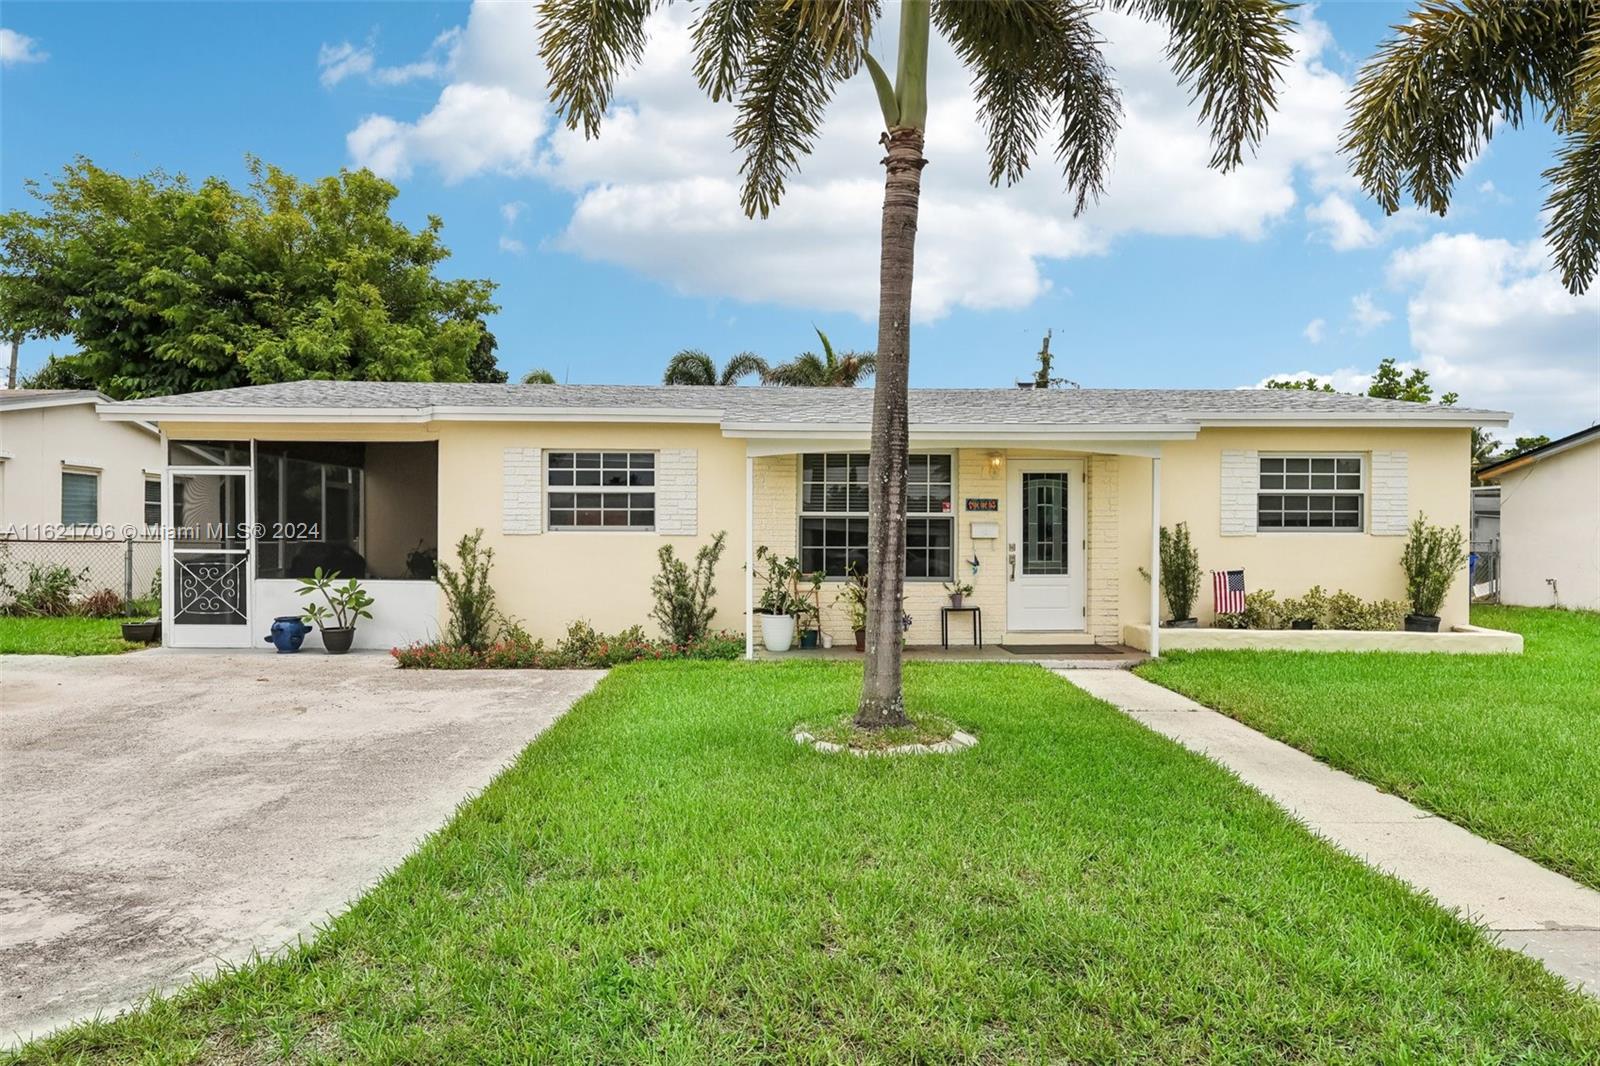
[345,603]
[808,612]
[1180,575]
[957,591]
[779,602]
[1432,557]
[853,594]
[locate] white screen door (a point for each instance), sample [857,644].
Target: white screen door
[1044,549]
[207,512]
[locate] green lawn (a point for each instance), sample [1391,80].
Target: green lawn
[667,875]
[1506,746]
[63,636]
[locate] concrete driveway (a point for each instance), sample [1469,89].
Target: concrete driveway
[166,811]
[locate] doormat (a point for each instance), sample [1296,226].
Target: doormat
[1060,650]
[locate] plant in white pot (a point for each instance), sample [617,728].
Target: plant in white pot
[1432,558]
[344,604]
[779,602]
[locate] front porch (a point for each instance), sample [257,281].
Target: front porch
[1050,543]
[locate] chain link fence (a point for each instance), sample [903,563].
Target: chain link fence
[130,568]
[1484,564]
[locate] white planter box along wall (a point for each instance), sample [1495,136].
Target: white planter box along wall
[1462,640]
[402,612]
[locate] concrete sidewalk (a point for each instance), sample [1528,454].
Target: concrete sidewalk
[1533,910]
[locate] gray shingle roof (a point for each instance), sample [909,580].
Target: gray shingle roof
[747,405]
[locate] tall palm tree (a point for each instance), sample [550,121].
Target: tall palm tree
[1034,63]
[691,366]
[828,370]
[1427,102]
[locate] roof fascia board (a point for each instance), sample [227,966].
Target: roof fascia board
[1528,458]
[54,401]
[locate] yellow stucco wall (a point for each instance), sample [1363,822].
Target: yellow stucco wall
[548,579]
[1289,563]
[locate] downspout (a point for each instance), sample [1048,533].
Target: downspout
[749,556]
[1155,557]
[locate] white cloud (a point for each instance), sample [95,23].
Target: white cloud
[658,191]
[340,61]
[345,60]
[512,211]
[473,129]
[19,48]
[1366,314]
[1340,224]
[1488,319]
[512,245]
[1315,330]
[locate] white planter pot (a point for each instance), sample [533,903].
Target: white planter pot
[777,631]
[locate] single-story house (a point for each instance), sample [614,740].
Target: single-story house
[1550,523]
[74,487]
[1046,501]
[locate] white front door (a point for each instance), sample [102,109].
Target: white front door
[1044,546]
[207,514]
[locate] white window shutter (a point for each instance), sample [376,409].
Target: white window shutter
[1390,491]
[678,492]
[1241,474]
[522,491]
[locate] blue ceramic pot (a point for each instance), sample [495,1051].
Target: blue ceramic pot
[288,632]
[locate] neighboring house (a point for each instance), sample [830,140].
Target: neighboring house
[1046,501]
[69,476]
[1550,523]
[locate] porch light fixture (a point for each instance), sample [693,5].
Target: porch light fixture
[996,459]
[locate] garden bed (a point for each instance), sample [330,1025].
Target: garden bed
[1459,640]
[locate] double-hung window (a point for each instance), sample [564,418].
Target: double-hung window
[833,515]
[80,498]
[152,502]
[602,490]
[1316,492]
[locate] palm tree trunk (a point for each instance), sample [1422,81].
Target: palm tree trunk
[882,699]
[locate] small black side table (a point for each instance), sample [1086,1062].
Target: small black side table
[944,625]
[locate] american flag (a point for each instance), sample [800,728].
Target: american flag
[1227,589]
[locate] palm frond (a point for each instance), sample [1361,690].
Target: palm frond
[1232,53]
[1573,204]
[789,73]
[1426,103]
[742,366]
[805,370]
[1027,57]
[722,34]
[585,45]
[691,366]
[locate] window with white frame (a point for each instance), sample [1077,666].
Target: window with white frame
[833,515]
[152,502]
[80,498]
[1316,492]
[601,490]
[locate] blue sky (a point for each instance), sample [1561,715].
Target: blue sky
[614,254]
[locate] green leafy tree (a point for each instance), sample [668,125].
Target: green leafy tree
[1424,107]
[1299,384]
[1390,383]
[691,366]
[828,370]
[538,376]
[1034,66]
[170,287]
[482,366]
[58,372]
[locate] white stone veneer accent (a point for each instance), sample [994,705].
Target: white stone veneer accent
[522,491]
[678,492]
[1241,472]
[1390,491]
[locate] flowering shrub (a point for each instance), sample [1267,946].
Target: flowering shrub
[582,648]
